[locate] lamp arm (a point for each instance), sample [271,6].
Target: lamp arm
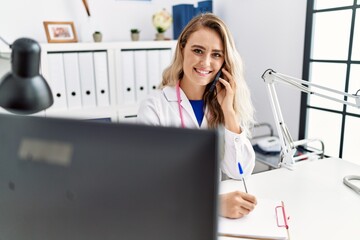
[299,83]
[4,41]
[288,145]
[285,77]
[287,142]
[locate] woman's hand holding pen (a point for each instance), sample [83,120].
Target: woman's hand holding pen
[236,204]
[225,95]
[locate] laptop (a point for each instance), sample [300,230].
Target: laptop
[72,179]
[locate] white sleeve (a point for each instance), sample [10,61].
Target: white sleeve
[237,148]
[148,112]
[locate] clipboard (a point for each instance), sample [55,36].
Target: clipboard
[267,221]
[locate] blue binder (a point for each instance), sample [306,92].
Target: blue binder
[204,6]
[182,14]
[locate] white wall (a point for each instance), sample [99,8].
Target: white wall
[114,18]
[269,34]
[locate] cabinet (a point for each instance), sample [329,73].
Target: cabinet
[103,80]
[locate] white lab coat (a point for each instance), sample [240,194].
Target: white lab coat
[162,109]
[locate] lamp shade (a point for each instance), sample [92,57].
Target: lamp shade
[23,90]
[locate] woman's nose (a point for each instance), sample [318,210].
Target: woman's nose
[205,60]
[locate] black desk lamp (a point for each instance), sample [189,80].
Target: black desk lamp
[23,90]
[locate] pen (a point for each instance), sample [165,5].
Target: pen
[242,176]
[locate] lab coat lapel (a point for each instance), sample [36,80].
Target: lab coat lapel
[170,94]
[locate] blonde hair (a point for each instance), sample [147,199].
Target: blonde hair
[233,63]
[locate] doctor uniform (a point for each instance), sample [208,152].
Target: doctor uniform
[162,109]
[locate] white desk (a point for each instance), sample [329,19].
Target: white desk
[319,205]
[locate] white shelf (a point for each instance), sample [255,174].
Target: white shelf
[119,107]
[92,46]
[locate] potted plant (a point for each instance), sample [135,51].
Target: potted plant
[135,34]
[162,21]
[97,36]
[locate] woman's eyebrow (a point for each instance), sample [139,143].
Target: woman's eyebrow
[203,48]
[218,51]
[198,46]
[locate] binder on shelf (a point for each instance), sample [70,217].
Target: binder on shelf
[182,14]
[87,79]
[56,80]
[141,84]
[267,221]
[154,70]
[204,7]
[101,78]
[165,59]
[128,77]
[72,78]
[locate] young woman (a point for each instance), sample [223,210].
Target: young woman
[187,99]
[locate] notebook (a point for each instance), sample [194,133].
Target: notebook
[267,221]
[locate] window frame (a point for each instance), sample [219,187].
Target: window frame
[307,60]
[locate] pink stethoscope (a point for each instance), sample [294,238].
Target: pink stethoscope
[179,105]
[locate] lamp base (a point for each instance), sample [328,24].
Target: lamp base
[287,159]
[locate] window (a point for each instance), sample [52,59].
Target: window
[332,59]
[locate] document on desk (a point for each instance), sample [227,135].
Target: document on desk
[267,221]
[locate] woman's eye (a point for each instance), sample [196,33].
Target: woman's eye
[217,55]
[197,51]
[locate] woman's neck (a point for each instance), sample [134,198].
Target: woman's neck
[192,92]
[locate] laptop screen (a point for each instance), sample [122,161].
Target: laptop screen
[71,179]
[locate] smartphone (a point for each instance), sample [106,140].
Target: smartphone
[216,79]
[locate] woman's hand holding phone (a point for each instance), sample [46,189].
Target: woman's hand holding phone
[216,79]
[225,96]
[225,91]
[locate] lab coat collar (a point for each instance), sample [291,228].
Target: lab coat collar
[170,95]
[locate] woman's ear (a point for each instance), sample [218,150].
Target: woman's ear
[182,50]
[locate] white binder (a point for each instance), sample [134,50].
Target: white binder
[87,79]
[165,59]
[154,71]
[141,84]
[72,78]
[56,81]
[128,77]
[101,79]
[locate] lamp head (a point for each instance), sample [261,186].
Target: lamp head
[23,90]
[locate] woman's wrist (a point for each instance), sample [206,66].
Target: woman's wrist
[231,122]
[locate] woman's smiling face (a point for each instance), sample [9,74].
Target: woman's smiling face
[203,57]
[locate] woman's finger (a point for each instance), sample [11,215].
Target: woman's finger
[225,83]
[229,78]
